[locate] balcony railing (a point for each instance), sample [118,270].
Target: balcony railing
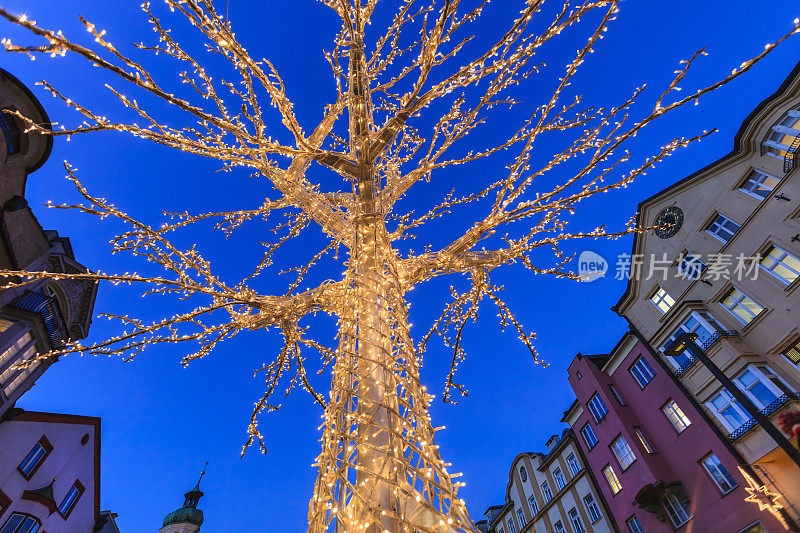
[705,345]
[779,402]
[51,314]
[791,155]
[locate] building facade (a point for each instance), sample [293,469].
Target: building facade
[551,492]
[723,262]
[661,465]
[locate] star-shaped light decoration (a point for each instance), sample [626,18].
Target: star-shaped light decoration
[765,498]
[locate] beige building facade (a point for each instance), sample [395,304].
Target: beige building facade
[551,492]
[724,262]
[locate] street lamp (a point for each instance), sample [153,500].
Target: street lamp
[687,341]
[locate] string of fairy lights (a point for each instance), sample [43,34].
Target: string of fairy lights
[379,469]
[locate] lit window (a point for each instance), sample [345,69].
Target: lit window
[35,458]
[727,410]
[792,352]
[511,528]
[546,493]
[558,476]
[758,184]
[701,323]
[5,324]
[741,306]
[597,407]
[642,371]
[523,474]
[643,440]
[722,478]
[12,350]
[634,526]
[781,264]
[20,523]
[613,480]
[534,505]
[589,436]
[722,228]
[676,509]
[755,527]
[679,420]
[616,394]
[71,499]
[575,520]
[559,527]
[662,300]
[521,516]
[623,452]
[782,137]
[572,462]
[690,266]
[591,508]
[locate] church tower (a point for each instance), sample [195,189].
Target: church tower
[188,518]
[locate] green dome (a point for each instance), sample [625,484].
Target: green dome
[191,515]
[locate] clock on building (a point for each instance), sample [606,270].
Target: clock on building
[668,222]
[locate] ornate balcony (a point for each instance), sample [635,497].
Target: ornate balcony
[779,402]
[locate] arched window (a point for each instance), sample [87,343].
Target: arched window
[11,132]
[21,523]
[523,474]
[783,139]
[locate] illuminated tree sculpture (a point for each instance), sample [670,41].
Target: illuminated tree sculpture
[412,92]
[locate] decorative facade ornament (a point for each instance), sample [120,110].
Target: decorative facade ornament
[668,222]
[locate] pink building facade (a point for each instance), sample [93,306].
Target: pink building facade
[661,465]
[49,473]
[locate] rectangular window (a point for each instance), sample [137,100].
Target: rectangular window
[662,300]
[634,526]
[612,479]
[727,410]
[597,407]
[521,516]
[722,228]
[701,323]
[792,352]
[559,527]
[616,395]
[623,452]
[758,184]
[71,499]
[781,264]
[690,266]
[511,528]
[572,463]
[641,371]
[575,520]
[755,527]
[676,510]
[546,493]
[534,505]
[558,476]
[643,440]
[21,523]
[35,458]
[762,385]
[679,420]
[591,508]
[722,478]
[741,306]
[589,436]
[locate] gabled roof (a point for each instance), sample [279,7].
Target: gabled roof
[738,148]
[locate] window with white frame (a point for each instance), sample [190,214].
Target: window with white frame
[558,477]
[523,474]
[690,266]
[782,135]
[718,473]
[744,308]
[591,508]
[511,528]
[755,527]
[547,494]
[623,453]
[634,526]
[643,440]
[612,479]
[559,527]
[727,410]
[589,436]
[781,264]
[597,407]
[761,384]
[676,509]
[792,352]
[521,516]
[722,228]
[662,300]
[675,414]
[641,371]
[21,523]
[533,504]
[13,350]
[575,520]
[758,184]
[71,499]
[702,324]
[572,463]
[31,463]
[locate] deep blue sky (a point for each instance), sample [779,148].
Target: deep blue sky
[161,422]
